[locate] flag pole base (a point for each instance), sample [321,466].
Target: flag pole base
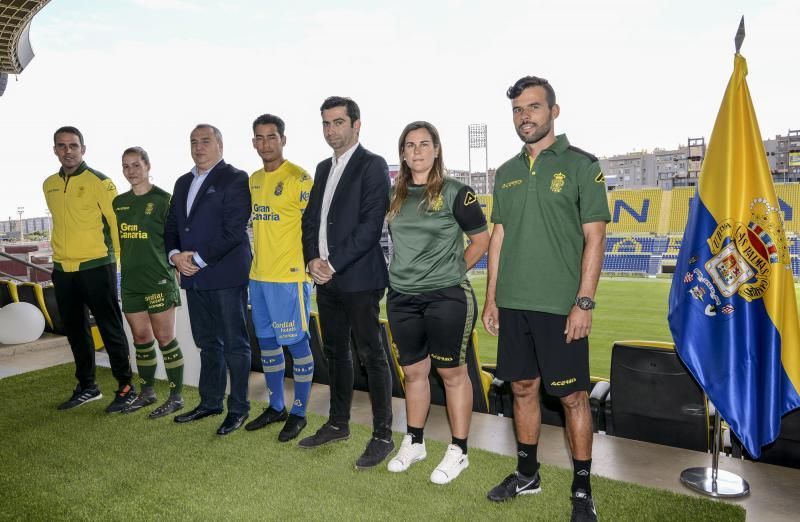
[727,484]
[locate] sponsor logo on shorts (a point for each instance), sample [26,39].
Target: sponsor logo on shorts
[441,358]
[155,300]
[285,327]
[564,382]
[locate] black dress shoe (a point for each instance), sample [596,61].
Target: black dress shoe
[231,423]
[196,414]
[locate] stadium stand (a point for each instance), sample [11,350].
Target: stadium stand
[679,211]
[789,200]
[634,211]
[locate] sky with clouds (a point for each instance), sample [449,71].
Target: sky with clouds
[629,75]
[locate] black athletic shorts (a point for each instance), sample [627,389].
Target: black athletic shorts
[533,344]
[436,324]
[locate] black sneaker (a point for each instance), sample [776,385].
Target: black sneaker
[268,417]
[326,434]
[294,425]
[583,507]
[140,402]
[171,405]
[81,396]
[123,398]
[513,485]
[377,450]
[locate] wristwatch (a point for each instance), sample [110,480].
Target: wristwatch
[585,303]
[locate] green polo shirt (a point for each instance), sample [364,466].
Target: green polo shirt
[542,208]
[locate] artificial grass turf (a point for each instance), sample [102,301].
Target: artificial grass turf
[84,464]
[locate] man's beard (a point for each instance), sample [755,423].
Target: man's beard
[540,133]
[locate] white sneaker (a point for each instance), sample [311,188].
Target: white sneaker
[451,466]
[407,455]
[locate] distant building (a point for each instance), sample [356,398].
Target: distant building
[632,170]
[783,154]
[9,229]
[480,182]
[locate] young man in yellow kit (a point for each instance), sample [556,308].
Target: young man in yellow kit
[280,290]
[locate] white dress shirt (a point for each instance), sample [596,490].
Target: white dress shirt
[335,175]
[199,177]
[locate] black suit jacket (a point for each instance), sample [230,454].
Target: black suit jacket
[355,221]
[216,228]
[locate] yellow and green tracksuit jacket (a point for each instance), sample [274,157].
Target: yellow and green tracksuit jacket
[84,224]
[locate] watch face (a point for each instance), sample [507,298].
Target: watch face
[584,303]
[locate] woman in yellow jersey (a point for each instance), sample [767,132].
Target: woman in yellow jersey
[430,303]
[149,289]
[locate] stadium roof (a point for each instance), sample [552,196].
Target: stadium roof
[15,46]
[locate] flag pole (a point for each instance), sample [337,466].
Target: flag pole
[713,481]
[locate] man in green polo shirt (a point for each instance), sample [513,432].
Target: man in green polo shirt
[549,212]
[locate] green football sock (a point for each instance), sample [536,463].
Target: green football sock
[146,363]
[173,363]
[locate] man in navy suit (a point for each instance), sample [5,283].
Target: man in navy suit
[341,246]
[206,239]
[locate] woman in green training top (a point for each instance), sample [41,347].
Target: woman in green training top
[149,289]
[430,304]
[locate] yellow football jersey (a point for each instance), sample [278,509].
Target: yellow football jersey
[279,199]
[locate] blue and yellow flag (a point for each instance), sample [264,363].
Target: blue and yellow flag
[732,308]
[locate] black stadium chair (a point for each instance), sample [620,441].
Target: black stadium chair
[398,389]
[785,451]
[8,292]
[653,398]
[321,374]
[482,393]
[49,293]
[255,350]
[32,293]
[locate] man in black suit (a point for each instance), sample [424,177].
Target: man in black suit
[341,245]
[206,239]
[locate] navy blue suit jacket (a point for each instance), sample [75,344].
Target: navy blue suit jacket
[355,221]
[216,228]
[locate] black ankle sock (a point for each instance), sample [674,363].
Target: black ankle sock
[527,464]
[461,443]
[416,434]
[580,475]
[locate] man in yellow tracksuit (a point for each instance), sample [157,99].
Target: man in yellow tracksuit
[84,243]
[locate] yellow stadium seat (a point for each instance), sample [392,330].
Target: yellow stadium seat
[634,211]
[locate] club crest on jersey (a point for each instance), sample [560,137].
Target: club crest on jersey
[279,188]
[148,209]
[437,204]
[558,182]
